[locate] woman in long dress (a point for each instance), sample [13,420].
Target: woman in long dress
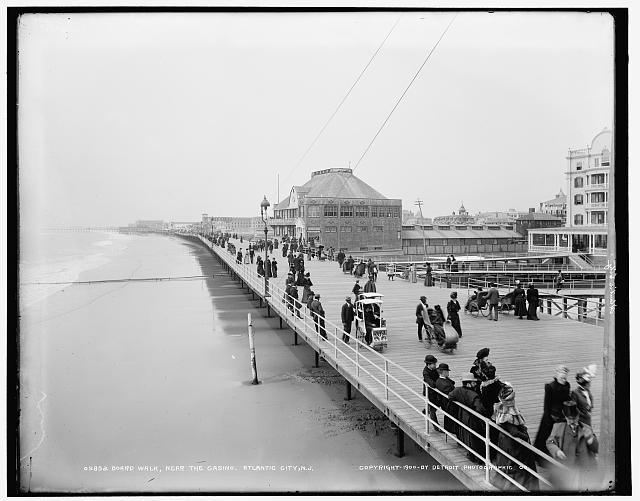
[508,417]
[519,300]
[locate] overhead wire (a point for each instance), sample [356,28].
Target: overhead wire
[315,140]
[405,91]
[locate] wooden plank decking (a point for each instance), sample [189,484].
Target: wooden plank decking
[524,352]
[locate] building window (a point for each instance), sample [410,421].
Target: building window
[330,211]
[578,165]
[330,229]
[478,228]
[600,241]
[381,212]
[346,211]
[389,211]
[578,200]
[377,229]
[396,212]
[362,211]
[597,179]
[598,197]
[493,227]
[313,211]
[461,227]
[444,227]
[578,182]
[374,211]
[597,217]
[345,229]
[605,159]
[578,219]
[362,228]
[596,162]
[301,211]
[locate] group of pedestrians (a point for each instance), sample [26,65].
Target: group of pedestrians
[526,302]
[565,431]
[432,320]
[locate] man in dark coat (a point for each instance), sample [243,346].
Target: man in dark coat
[446,386]
[318,315]
[422,319]
[582,395]
[430,375]
[347,314]
[285,247]
[356,289]
[290,280]
[532,299]
[295,300]
[340,258]
[274,268]
[267,267]
[469,398]
[260,266]
[555,394]
[493,296]
[239,257]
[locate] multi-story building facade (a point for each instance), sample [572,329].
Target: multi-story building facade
[499,217]
[339,210]
[587,202]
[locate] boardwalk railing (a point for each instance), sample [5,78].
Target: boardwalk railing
[397,387]
[588,310]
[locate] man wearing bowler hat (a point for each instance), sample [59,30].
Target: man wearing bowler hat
[430,375]
[446,386]
[574,444]
[347,315]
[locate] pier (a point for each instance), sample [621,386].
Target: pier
[525,353]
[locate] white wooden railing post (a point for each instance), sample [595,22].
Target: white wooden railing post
[487,454]
[386,379]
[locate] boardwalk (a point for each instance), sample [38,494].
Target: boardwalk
[524,352]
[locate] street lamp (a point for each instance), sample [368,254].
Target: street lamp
[264,205]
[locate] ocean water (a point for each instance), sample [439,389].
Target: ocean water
[50,261]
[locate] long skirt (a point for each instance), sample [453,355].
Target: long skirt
[521,307]
[455,323]
[531,312]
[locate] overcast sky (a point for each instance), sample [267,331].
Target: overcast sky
[166,116]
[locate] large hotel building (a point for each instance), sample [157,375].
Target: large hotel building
[587,203]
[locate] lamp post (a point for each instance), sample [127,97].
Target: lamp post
[264,205]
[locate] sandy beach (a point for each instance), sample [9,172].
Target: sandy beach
[144,387]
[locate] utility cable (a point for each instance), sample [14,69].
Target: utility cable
[405,91]
[342,102]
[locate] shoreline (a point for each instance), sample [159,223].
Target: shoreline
[165,383]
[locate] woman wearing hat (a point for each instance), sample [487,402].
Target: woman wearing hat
[453,307]
[532,299]
[306,283]
[480,364]
[508,417]
[582,394]
[555,393]
[519,300]
[469,398]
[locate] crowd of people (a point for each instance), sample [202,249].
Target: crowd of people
[564,433]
